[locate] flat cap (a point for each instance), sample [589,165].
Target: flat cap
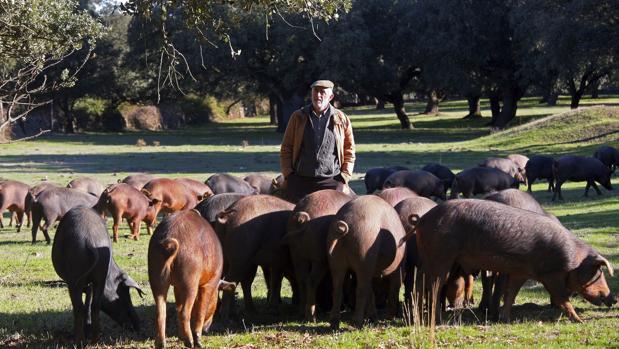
[322,83]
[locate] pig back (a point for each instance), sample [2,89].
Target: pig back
[226,183]
[394,195]
[81,246]
[487,235]
[374,231]
[61,200]
[138,180]
[580,168]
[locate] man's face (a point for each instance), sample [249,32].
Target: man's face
[321,97]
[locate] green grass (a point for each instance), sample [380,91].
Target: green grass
[35,310]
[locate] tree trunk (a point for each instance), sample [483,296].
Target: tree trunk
[474,107]
[495,106]
[69,126]
[398,106]
[575,99]
[550,94]
[595,90]
[288,106]
[380,104]
[508,111]
[432,103]
[272,110]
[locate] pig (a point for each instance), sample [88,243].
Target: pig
[579,169]
[442,172]
[199,189]
[33,192]
[210,207]
[226,183]
[261,183]
[13,198]
[307,237]
[505,165]
[251,231]
[421,182]
[185,253]
[87,185]
[540,167]
[82,257]
[168,195]
[520,161]
[137,180]
[394,195]
[375,177]
[364,237]
[486,235]
[52,203]
[514,198]
[608,155]
[124,201]
[481,180]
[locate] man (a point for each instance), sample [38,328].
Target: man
[318,149]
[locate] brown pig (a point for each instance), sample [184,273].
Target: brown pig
[307,237]
[168,195]
[87,185]
[137,180]
[394,195]
[124,201]
[185,253]
[251,231]
[13,198]
[364,238]
[200,190]
[485,235]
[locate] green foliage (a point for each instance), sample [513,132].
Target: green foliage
[202,109]
[94,114]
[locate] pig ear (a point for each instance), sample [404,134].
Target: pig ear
[604,262]
[226,286]
[129,282]
[295,225]
[222,217]
[274,183]
[146,193]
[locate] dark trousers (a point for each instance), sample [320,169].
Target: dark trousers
[299,186]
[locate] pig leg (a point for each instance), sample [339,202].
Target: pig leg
[595,186]
[35,226]
[275,284]
[337,274]
[45,228]
[247,297]
[302,269]
[560,296]
[79,313]
[529,184]
[212,297]
[364,291]
[160,292]
[317,272]
[558,190]
[512,287]
[19,220]
[117,219]
[500,282]
[487,280]
[200,308]
[469,280]
[395,280]
[135,229]
[95,307]
[185,298]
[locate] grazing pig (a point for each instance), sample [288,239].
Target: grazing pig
[137,180]
[505,165]
[124,201]
[199,189]
[364,238]
[251,231]
[261,183]
[514,198]
[225,183]
[442,172]
[51,204]
[375,177]
[481,180]
[519,160]
[87,185]
[185,253]
[421,182]
[168,195]
[579,169]
[608,155]
[210,207]
[13,198]
[82,257]
[394,195]
[540,167]
[486,235]
[307,238]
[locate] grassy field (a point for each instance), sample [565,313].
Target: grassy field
[35,309]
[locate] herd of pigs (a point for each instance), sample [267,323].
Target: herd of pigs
[338,251]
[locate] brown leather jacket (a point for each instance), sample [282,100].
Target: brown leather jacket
[293,137]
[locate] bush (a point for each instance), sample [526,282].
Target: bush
[202,109]
[95,114]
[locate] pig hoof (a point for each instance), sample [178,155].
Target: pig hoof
[159,344]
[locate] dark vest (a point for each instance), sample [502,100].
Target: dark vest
[318,157]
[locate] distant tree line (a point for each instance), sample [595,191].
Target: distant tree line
[378,50]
